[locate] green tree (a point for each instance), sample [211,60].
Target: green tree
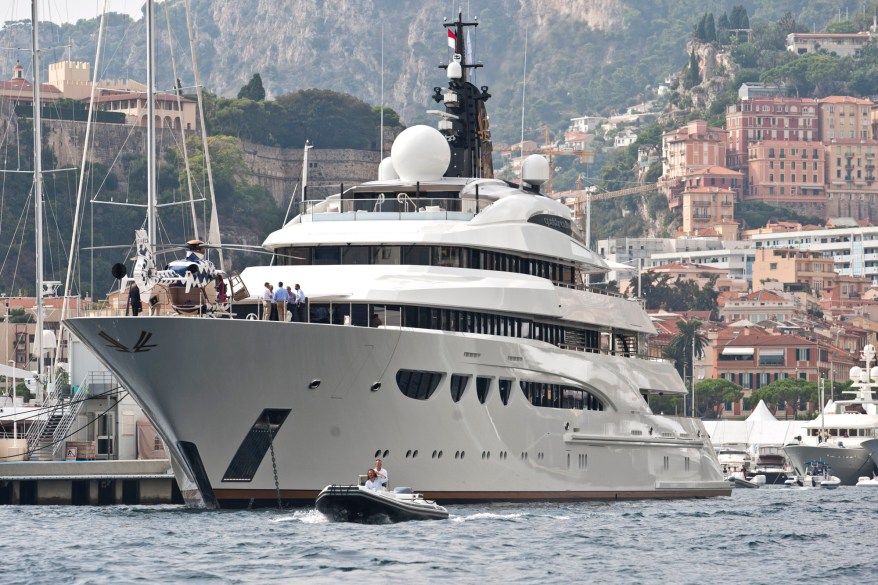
[841,27]
[681,345]
[794,392]
[712,394]
[253,90]
[20,316]
[738,18]
[693,75]
[710,28]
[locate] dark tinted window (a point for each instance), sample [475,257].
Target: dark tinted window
[505,387]
[483,385]
[458,385]
[418,384]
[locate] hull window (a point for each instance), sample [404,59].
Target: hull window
[458,386]
[560,396]
[505,387]
[483,387]
[418,384]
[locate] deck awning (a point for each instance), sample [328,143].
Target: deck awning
[738,351]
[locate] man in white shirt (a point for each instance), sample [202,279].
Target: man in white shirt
[373,482]
[381,472]
[267,298]
[300,304]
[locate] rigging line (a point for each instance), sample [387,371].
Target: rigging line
[213,230]
[71,433]
[20,225]
[182,131]
[42,410]
[87,143]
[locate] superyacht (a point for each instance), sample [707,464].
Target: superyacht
[447,330]
[838,434]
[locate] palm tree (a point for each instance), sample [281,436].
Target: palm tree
[682,345]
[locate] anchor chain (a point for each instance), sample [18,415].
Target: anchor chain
[274,465]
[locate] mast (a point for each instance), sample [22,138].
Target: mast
[150,128]
[38,187]
[465,121]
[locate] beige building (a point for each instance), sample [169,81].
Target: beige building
[792,267]
[758,306]
[785,172]
[842,44]
[706,206]
[845,118]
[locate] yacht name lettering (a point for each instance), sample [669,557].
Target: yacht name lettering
[552,221]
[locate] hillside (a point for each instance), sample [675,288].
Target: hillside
[583,56]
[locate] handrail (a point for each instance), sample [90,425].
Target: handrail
[405,200]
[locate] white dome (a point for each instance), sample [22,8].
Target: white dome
[855,373]
[535,169]
[386,172]
[420,153]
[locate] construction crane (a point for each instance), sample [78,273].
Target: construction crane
[585,197]
[585,156]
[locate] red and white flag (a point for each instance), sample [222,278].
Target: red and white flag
[452,39]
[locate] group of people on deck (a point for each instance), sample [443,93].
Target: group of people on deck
[277,302]
[376,478]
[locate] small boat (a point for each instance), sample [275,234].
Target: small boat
[817,474]
[739,480]
[865,481]
[357,503]
[830,483]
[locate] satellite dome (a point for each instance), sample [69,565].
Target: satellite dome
[535,170]
[386,172]
[420,153]
[855,373]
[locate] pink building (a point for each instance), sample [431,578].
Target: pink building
[845,118]
[690,148]
[768,118]
[784,172]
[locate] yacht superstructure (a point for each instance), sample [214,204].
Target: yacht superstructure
[836,436]
[447,331]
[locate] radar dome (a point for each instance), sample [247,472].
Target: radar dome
[386,172]
[420,153]
[535,170]
[874,373]
[855,373]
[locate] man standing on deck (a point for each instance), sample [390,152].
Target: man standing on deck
[267,297]
[134,299]
[280,301]
[300,305]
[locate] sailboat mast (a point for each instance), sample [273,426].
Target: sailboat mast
[38,186]
[150,127]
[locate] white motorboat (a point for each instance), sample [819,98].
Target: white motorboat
[357,503]
[838,434]
[866,481]
[448,331]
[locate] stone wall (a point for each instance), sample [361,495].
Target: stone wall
[279,170]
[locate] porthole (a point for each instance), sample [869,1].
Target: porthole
[408,453]
[415,454]
[386,453]
[377,453]
[462,454]
[457,454]
[434,454]
[440,454]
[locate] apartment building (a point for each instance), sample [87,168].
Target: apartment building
[768,118]
[705,206]
[692,147]
[785,172]
[796,269]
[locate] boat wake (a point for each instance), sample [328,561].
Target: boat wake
[303,516]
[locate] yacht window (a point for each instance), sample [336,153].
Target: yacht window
[446,256]
[458,385]
[326,255]
[416,256]
[483,385]
[355,255]
[505,386]
[559,396]
[393,316]
[319,312]
[360,315]
[341,313]
[385,255]
[418,384]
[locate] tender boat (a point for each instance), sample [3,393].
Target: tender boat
[357,503]
[839,433]
[449,329]
[817,474]
[867,481]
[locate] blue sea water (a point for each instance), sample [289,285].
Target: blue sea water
[768,535]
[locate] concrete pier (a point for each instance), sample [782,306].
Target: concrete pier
[88,483]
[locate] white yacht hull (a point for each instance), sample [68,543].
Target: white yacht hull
[847,463]
[205,382]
